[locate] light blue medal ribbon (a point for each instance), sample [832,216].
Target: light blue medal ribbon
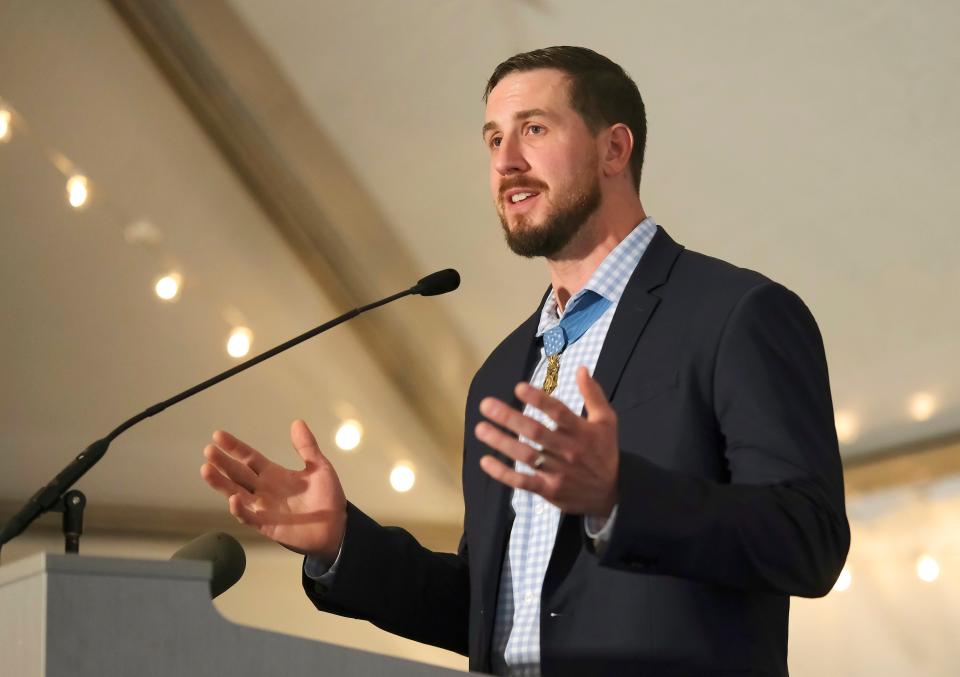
[576,321]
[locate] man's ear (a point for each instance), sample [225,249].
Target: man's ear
[617,146]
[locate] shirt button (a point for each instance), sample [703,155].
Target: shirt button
[539,509]
[528,598]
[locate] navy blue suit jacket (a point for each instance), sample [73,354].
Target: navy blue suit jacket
[730,493]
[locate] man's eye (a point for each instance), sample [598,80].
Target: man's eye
[495,142]
[535,129]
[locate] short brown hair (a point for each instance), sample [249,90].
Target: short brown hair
[600,91]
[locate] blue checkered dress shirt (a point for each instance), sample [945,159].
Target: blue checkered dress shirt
[516,633]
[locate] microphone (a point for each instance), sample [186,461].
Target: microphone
[224,552]
[51,494]
[437,283]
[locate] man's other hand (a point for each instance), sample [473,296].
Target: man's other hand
[580,459]
[303,510]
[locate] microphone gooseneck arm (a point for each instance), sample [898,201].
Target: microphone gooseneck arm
[52,493]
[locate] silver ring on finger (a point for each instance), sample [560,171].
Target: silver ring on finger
[540,460]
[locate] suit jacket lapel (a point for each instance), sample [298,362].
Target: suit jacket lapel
[634,310]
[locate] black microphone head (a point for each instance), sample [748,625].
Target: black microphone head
[437,283]
[224,552]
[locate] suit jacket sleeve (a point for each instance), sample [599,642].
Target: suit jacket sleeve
[779,524]
[386,577]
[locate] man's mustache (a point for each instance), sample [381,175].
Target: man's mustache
[521,182]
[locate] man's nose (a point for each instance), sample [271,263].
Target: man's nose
[509,158]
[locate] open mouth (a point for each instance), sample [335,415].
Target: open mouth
[520,199]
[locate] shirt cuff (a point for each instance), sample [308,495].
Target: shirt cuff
[600,528]
[318,570]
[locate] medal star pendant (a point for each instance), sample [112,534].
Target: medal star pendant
[553,371]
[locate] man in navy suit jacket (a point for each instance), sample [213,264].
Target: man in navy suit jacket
[699,490]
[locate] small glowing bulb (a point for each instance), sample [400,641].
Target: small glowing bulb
[922,406]
[348,435]
[402,477]
[847,426]
[928,570]
[238,344]
[168,287]
[5,117]
[843,581]
[77,191]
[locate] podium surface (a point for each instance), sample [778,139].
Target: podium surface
[67,615]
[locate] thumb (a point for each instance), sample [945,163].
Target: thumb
[305,443]
[594,399]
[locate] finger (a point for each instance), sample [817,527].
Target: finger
[230,467]
[594,399]
[510,418]
[506,444]
[218,481]
[305,443]
[253,459]
[506,475]
[238,504]
[551,406]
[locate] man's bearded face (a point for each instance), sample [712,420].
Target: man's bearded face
[567,208]
[544,162]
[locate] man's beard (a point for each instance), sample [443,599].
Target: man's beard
[558,228]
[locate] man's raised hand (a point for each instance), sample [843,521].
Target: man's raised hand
[303,510]
[580,463]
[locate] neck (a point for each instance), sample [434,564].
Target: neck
[571,268]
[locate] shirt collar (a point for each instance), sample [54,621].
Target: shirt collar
[611,276]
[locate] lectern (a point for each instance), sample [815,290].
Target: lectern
[72,616]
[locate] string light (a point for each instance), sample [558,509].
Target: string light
[928,569]
[77,191]
[922,406]
[168,287]
[5,128]
[142,232]
[238,345]
[348,435]
[402,477]
[843,581]
[847,426]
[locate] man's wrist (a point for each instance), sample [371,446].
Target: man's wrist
[331,552]
[607,506]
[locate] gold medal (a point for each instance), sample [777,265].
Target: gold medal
[553,372]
